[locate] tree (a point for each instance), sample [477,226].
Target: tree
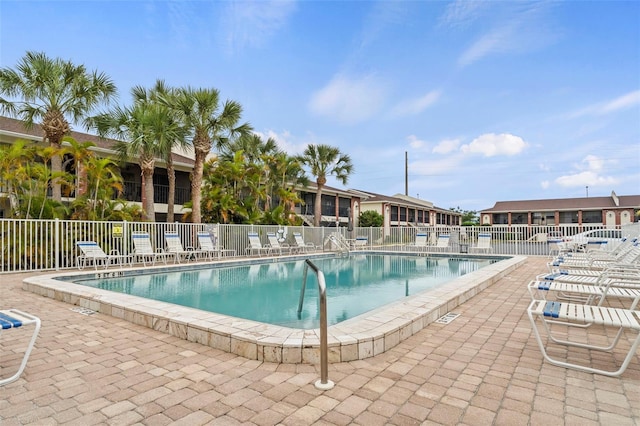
[324,160]
[135,124]
[167,130]
[80,153]
[201,114]
[370,218]
[13,170]
[52,91]
[469,217]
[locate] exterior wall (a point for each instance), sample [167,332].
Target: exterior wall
[610,217]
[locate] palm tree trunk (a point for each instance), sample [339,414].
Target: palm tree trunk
[171,197]
[317,207]
[196,186]
[148,202]
[147,166]
[56,168]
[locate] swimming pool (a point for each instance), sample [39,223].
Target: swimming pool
[270,292]
[361,337]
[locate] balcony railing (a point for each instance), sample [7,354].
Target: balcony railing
[133,192]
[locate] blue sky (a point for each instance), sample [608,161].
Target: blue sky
[491,100]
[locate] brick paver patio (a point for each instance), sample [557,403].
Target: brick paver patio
[482,368]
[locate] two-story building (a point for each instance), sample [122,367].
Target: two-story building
[12,130]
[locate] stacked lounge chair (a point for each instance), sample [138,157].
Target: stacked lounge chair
[583,290]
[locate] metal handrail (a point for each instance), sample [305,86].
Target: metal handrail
[324,383]
[340,242]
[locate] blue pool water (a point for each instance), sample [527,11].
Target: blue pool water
[269,292]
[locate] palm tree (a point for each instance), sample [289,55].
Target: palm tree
[13,170]
[168,131]
[80,153]
[200,112]
[52,91]
[105,179]
[134,124]
[325,160]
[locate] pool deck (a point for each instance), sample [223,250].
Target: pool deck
[484,367]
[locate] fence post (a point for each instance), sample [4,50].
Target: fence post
[125,237]
[57,244]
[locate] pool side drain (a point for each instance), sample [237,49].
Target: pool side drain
[447,318]
[83,311]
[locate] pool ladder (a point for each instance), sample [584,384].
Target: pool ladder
[324,383]
[340,242]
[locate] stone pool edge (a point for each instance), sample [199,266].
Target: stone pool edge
[362,337]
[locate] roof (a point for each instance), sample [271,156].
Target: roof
[399,199]
[313,186]
[16,128]
[585,203]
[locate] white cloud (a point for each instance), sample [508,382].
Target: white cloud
[446,146]
[349,100]
[491,144]
[590,172]
[462,12]
[628,100]
[593,163]
[416,105]
[441,167]
[415,143]
[545,184]
[514,27]
[284,140]
[252,23]
[586,178]
[499,40]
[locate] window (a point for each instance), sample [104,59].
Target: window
[394,213]
[519,218]
[592,216]
[500,219]
[344,206]
[537,218]
[569,217]
[328,205]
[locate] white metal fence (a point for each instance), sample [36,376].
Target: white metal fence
[39,245]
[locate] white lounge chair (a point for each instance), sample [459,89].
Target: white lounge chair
[143,250]
[443,243]
[210,249]
[570,314]
[255,246]
[91,252]
[174,245]
[587,292]
[484,244]
[629,257]
[276,246]
[421,242]
[303,246]
[12,319]
[360,243]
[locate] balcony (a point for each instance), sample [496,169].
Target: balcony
[133,192]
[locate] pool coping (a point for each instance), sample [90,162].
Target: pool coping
[365,336]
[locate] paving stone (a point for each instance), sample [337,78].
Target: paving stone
[483,368]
